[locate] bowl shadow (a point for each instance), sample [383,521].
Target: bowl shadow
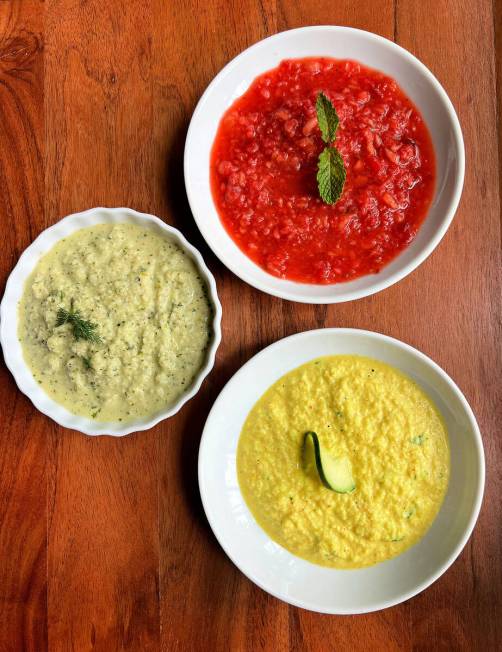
[191,433]
[200,405]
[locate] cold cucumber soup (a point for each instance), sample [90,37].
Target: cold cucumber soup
[344,461]
[114,322]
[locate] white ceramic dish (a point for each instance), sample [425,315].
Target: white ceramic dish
[300,582]
[11,346]
[342,43]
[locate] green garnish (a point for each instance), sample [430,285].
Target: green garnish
[327,118]
[331,173]
[82,329]
[334,472]
[87,363]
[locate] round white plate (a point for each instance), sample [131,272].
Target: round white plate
[300,582]
[11,346]
[342,43]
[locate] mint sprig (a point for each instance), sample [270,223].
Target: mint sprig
[327,118]
[331,173]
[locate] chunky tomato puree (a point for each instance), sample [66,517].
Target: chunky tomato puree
[264,166]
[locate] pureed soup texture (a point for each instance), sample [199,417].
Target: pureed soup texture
[264,166]
[384,449]
[114,322]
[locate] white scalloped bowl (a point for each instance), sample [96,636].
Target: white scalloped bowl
[11,345]
[374,51]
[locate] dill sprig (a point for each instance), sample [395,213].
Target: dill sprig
[82,329]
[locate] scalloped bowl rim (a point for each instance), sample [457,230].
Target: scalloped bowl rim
[12,349]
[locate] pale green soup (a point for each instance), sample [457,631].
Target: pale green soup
[148,310]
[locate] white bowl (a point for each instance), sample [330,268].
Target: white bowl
[342,43]
[11,346]
[300,582]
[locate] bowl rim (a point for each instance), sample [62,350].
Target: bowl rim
[9,311]
[377,285]
[474,428]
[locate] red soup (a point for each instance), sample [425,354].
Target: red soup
[264,166]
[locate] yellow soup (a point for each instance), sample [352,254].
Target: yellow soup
[114,322]
[387,427]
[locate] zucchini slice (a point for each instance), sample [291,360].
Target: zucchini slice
[335,472]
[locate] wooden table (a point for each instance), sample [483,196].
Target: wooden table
[103,542]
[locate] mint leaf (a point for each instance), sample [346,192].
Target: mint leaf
[331,171]
[327,118]
[330,175]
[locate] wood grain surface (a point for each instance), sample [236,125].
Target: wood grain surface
[103,542]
